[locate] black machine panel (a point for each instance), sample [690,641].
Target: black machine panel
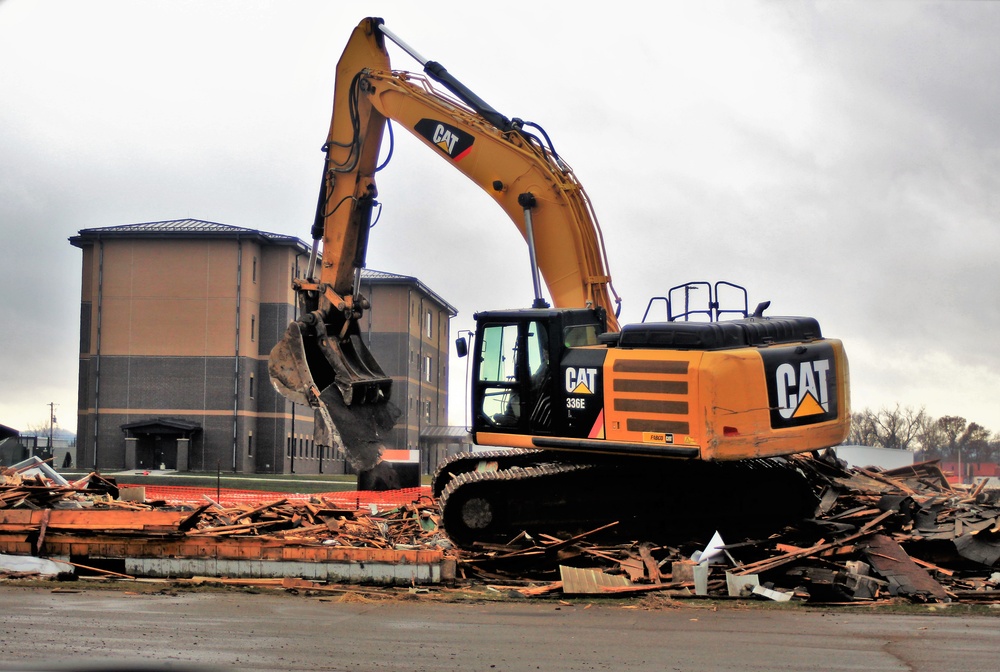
[747,332]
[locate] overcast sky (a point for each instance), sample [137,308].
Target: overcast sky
[840,159]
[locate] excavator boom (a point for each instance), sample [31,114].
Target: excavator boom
[322,361]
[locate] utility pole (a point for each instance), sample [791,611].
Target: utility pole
[52,422]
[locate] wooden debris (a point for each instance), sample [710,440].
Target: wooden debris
[877,535]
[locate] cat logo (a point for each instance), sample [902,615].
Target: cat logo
[581,381]
[453,141]
[801,385]
[803,390]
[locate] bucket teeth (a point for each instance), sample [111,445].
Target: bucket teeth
[344,385]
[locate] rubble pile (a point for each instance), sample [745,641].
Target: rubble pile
[315,521]
[905,533]
[876,535]
[319,521]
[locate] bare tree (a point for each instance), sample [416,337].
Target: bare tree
[897,428]
[952,428]
[931,439]
[951,437]
[862,429]
[976,443]
[36,429]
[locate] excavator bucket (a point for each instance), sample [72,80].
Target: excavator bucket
[343,384]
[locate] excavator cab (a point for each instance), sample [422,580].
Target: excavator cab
[522,362]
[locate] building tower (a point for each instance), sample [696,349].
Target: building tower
[177,321]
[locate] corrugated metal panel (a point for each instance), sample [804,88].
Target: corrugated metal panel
[588,581]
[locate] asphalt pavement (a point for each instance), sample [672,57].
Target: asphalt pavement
[97,629]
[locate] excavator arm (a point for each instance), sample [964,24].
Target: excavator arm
[322,361]
[533,185]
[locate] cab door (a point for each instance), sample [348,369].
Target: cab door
[512,377]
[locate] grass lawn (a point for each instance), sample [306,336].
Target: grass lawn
[293,483]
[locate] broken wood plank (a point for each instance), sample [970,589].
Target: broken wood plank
[652,569]
[535,591]
[99,570]
[771,563]
[563,544]
[932,567]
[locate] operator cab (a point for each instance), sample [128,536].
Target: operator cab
[526,370]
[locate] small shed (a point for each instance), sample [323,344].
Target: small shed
[874,456]
[440,442]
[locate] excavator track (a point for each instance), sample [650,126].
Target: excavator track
[662,501]
[486,460]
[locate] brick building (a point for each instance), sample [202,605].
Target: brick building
[407,329]
[177,321]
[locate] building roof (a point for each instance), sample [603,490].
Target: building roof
[169,426]
[445,432]
[374,277]
[183,228]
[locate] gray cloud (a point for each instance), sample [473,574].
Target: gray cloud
[840,159]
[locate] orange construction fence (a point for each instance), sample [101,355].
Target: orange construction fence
[346,499]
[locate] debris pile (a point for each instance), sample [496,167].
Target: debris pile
[318,520]
[904,533]
[101,528]
[876,535]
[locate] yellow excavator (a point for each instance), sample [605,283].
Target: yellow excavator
[657,429]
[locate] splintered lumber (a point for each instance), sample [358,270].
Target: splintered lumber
[644,588]
[535,591]
[265,507]
[233,529]
[634,567]
[107,572]
[652,569]
[896,483]
[568,542]
[932,567]
[772,563]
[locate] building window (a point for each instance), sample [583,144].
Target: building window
[253,327]
[429,323]
[254,273]
[428,368]
[250,443]
[251,386]
[288,446]
[427,410]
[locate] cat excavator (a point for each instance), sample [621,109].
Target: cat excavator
[653,430]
